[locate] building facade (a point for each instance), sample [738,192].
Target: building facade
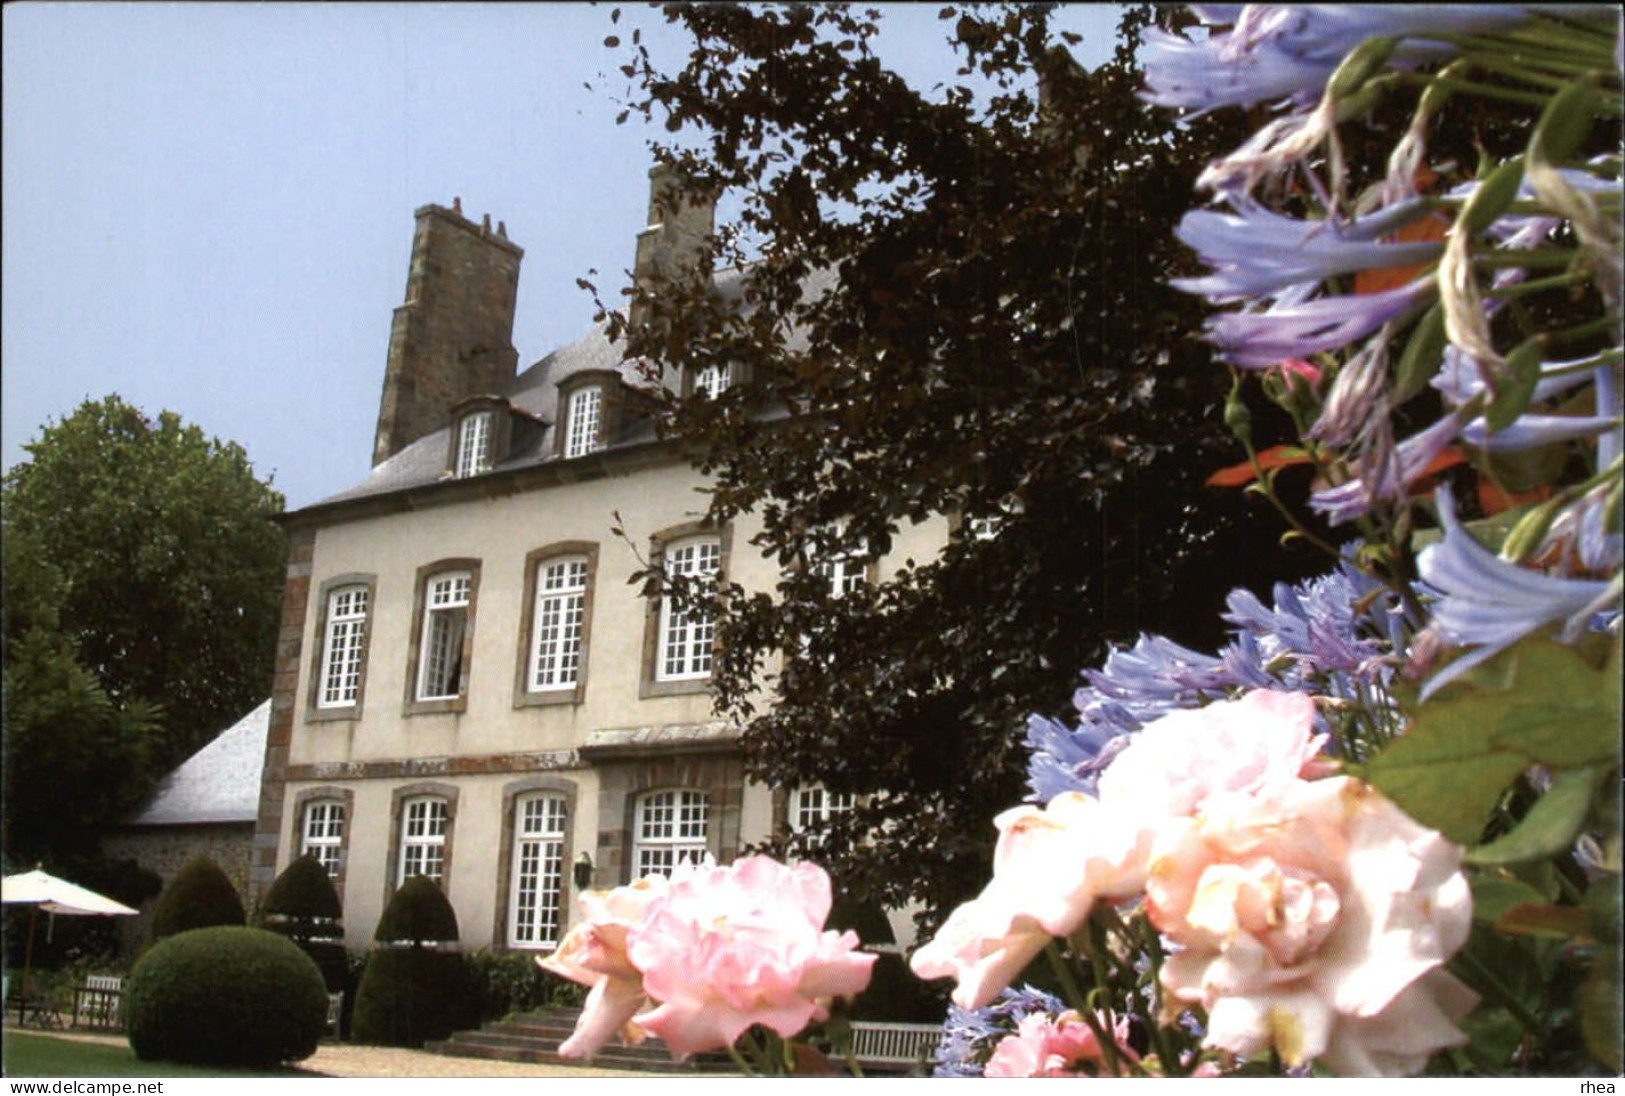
[467,686]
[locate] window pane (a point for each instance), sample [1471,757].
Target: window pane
[672,828]
[538,870]
[423,838]
[561,599]
[445,620]
[474,444]
[341,656]
[582,425]
[686,635]
[324,833]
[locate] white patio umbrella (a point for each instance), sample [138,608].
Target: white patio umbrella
[41,890]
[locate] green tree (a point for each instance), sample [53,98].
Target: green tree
[960,301]
[164,570]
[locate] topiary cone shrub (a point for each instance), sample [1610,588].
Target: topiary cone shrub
[411,990]
[199,896]
[226,995]
[302,905]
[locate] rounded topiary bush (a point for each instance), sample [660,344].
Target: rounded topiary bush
[198,897]
[226,995]
[303,905]
[419,913]
[409,996]
[409,992]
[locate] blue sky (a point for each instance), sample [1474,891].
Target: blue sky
[208,207]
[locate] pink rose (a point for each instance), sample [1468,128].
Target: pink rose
[1049,866]
[1062,1046]
[1316,921]
[593,953]
[1256,745]
[728,947]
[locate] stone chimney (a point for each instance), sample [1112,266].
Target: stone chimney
[453,338]
[676,236]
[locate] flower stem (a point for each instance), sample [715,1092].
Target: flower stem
[739,1061]
[1503,996]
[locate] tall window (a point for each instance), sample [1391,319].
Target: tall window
[686,634]
[711,381]
[537,903]
[581,421]
[342,646]
[445,621]
[671,829]
[845,569]
[474,444]
[561,600]
[423,838]
[324,833]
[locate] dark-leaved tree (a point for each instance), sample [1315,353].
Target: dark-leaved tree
[954,304]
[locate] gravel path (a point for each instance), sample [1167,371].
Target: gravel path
[351,1060]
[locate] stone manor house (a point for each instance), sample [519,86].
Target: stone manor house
[466,685]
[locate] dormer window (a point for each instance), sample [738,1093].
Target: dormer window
[582,418]
[474,444]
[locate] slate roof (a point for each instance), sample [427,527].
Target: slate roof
[219,783]
[534,392]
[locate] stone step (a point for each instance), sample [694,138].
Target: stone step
[535,1037]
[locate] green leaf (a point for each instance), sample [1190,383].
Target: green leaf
[1565,122]
[1598,1007]
[1564,714]
[1552,823]
[1444,771]
[1512,399]
[1493,196]
[1494,895]
[1420,360]
[1493,1035]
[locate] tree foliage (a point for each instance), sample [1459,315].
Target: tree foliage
[957,308]
[151,550]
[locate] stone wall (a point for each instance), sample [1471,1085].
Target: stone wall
[166,849]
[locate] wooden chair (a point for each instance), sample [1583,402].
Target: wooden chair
[102,1007]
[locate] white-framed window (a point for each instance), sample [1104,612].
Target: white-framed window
[423,838]
[671,828]
[711,381]
[814,805]
[323,833]
[560,613]
[581,418]
[445,622]
[686,635]
[342,646]
[474,444]
[845,570]
[536,907]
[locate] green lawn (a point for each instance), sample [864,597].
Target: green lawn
[31,1055]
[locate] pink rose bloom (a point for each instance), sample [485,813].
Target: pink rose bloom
[1256,745]
[1059,1047]
[593,953]
[728,947]
[1316,921]
[1049,866]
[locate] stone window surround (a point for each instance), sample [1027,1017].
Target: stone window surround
[459,703]
[648,685]
[324,793]
[512,792]
[496,442]
[720,775]
[523,697]
[314,712]
[397,801]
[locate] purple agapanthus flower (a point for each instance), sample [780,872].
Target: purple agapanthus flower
[1287,51]
[1487,603]
[1259,340]
[968,1035]
[1068,760]
[1391,476]
[1256,253]
[1459,379]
